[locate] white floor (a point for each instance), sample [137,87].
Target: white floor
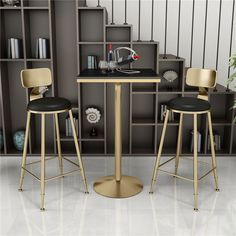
[169,211]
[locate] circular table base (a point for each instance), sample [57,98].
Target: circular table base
[109,187]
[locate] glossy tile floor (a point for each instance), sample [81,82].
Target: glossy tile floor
[169,211]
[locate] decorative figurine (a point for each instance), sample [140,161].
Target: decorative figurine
[93,132]
[170,76]
[18,139]
[93,117]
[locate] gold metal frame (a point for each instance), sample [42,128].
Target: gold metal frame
[206,80]
[42,77]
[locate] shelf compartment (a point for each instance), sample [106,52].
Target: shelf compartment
[188,126]
[143,107]
[170,140]
[36,3]
[143,122]
[143,140]
[225,136]
[148,56]
[92,95]
[13,100]
[144,88]
[162,100]
[93,147]
[34,30]
[36,134]
[221,107]
[118,33]
[86,50]
[178,67]
[91,23]
[11,27]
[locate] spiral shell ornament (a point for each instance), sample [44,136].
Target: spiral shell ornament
[93,115]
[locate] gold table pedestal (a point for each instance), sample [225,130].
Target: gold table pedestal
[118,186]
[128,186]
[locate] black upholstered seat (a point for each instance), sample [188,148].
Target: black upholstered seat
[188,104]
[48,104]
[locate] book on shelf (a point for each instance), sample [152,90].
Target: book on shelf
[216,140]
[42,48]
[199,140]
[163,113]
[92,62]
[14,50]
[69,131]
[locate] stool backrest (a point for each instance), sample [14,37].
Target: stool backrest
[31,78]
[203,78]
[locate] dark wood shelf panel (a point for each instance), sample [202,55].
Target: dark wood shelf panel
[143,91]
[91,43]
[84,139]
[11,8]
[221,122]
[36,8]
[143,122]
[12,60]
[118,42]
[170,123]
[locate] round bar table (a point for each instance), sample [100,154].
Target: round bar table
[118,185]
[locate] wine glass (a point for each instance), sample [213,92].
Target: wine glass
[103,65]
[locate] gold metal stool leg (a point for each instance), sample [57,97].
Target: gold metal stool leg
[78,152]
[42,179]
[213,155]
[179,143]
[154,176]
[195,165]
[58,143]
[25,150]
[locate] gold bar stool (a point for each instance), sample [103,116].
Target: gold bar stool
[33,78]
[204,79]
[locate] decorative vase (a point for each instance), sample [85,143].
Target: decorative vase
[1,139]
[18,139]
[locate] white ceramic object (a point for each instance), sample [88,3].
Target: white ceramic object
[170,75]
[93,115]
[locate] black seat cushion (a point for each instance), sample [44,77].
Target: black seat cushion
[188,104]
[48,104]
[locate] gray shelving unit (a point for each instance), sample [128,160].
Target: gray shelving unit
[29,21]
[141,102]
[141,128]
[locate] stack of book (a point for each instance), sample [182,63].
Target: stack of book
[14,48]
[42,48]
[69,131]
[199,140]
[92,62]
[217,141]
[163,113]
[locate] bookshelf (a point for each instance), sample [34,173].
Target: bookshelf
[22,22]
[85,31]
